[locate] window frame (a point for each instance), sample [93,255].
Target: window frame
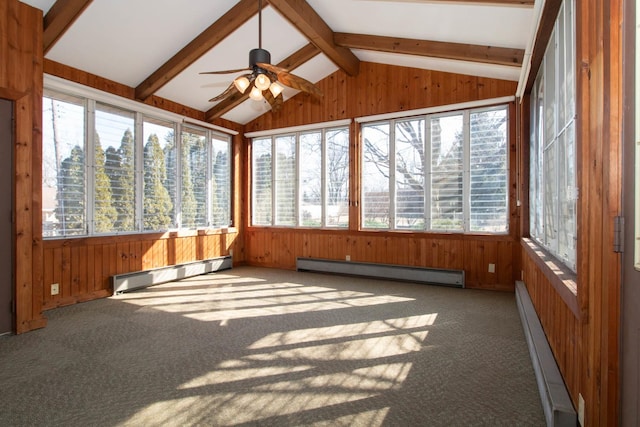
[140,113]
[554,127]
[297,134]
[465,155]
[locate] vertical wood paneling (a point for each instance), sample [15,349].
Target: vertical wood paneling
[21,81]
[374,91]
[83,267]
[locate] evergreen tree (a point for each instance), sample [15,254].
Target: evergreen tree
[189,204]
[157,202]
[71,201]
[120,167]
[124,199]
[105,214]
[171,177]
[220,194]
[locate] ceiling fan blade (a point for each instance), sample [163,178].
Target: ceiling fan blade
[299,83]
[226,71]
[275,102]
[291,80]
[231,89]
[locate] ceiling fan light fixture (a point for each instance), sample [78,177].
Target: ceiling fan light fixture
[255,94]
[276,89]
[262,82]
[241,83]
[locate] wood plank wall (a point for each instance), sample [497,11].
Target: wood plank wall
[381,89]
[83,267]
[583,329]
[21,82]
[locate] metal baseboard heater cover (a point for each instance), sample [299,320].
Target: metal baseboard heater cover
[142,279]
[556,403]
[432,276]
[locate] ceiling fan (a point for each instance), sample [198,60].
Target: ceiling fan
[264,81]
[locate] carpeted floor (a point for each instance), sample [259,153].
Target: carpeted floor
[252,346]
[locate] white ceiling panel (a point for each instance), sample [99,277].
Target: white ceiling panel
[461,67]
[126,41]
[501,26]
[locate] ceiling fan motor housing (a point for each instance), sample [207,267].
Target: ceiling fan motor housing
[259,56]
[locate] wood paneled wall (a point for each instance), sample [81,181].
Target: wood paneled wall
[583,328]
[382,89]
[83,267]
[280,247]
[378,89]
[21,82]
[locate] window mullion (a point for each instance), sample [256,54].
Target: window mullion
[297,196]
[466,172]
[274,189]
[209,178]
[179,160]
[90,165]
[427,173]
[324,166]
[138,147]
[392,175]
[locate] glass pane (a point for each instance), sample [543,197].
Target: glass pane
[63,166]
[489,171]
[567,197]
[194,178]
[311,180]
[261,181]
[410,174]
[375,176]
[337,203]
[221,180]
[561,74]
[115,194]
[159,193]
[550,197]
[285,181]
[446,173]
[550,90]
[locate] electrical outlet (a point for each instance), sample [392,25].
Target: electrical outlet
[55,289]
[580,409]
[231,252]
[492,268]
[348,257]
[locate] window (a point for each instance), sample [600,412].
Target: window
[114,169]
[440,172]
[159,195]
[553,188]
[109,170]
[63,166]
[301,179]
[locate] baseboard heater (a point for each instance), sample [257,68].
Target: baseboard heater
[433,276]
[142,279]
[556,402]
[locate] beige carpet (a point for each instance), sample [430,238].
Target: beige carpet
[265,347]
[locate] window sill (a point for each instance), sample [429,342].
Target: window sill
[563,280]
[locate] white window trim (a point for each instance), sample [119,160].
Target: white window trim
[466,172]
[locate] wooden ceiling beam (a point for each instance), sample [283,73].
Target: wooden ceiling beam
[57,21]
[545,29]
[434,49]
[205,41]
[291,62]
[315,29]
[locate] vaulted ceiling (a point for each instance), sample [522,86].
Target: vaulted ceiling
[160,47]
